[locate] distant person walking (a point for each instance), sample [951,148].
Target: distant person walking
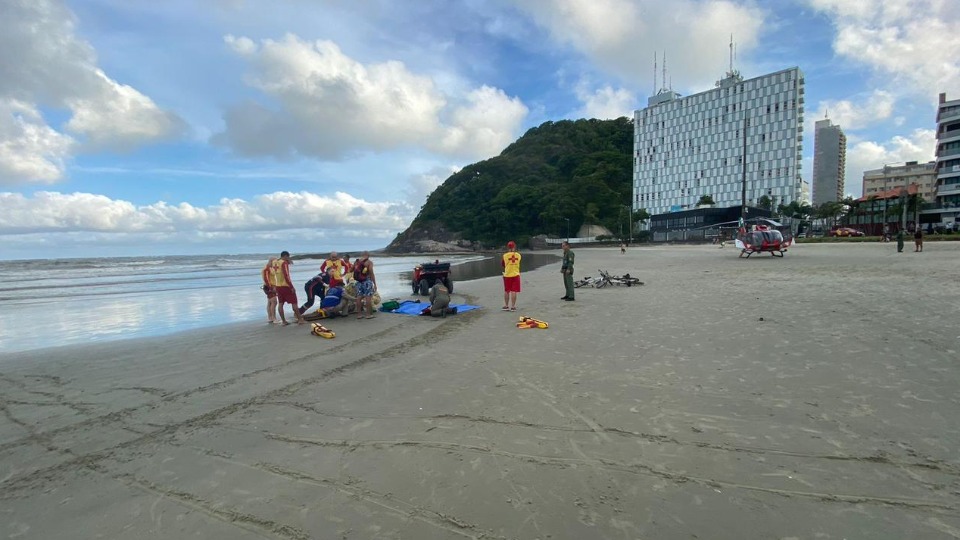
[268,289]
[366,284]
[623,248]
[286,294]
[510,263]
[918,240]
[900,241]
[566,269]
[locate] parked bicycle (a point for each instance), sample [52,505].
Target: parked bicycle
[586,282]
[608,279]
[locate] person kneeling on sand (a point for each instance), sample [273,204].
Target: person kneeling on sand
[439,300]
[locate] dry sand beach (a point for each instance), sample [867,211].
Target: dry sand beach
[815,396]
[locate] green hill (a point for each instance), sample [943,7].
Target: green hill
[578,170]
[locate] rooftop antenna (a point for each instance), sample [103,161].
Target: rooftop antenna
[731,53]
[654,72]
[664,69]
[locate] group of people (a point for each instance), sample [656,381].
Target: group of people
[510,265]
[337,273]
[328,286]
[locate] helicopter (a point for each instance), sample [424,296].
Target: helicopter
[759,237]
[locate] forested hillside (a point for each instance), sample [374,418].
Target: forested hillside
[577,170]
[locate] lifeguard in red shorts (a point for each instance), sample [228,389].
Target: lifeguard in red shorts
[285,291]
[510,262]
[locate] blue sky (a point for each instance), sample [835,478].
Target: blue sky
[234,126]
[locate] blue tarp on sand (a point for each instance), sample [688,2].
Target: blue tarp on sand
[414,308]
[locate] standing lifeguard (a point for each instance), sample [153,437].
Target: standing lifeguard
[510,262]
[286,294]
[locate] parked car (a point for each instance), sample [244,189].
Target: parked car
[846,231]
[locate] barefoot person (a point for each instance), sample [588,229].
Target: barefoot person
[510,263]
[269,290]
[366,284]
[286,294]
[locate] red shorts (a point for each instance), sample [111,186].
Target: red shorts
[287,295]
[511,284]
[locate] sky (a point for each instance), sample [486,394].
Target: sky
[138,128]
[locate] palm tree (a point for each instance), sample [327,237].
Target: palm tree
[849,208]
[765,202]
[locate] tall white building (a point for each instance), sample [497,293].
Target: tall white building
[686,147]
[829,162]
[948,159]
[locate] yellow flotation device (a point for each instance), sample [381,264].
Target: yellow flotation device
[320,313]
[530,322]
[320,330]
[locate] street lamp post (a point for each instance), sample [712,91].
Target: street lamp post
[568,228]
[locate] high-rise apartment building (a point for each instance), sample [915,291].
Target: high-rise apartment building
[743,133]
[948,159]
[805,192]
[896,177]
[829,161]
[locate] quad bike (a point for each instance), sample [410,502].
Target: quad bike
[427,275]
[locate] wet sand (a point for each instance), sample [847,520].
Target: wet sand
[815,396]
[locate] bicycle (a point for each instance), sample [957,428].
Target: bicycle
[626,279]
[586,282]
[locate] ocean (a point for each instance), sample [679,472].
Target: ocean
[63,302]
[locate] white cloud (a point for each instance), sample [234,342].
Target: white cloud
[866,155]
[605,103]
[44,64]
[911,42]
[47,212]
[621,35]
[28,147]
[332,106]
[860,113]
[422,185]
[117,117]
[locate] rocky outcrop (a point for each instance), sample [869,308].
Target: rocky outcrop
[431,238]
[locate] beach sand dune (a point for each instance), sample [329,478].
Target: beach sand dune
[814,396]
